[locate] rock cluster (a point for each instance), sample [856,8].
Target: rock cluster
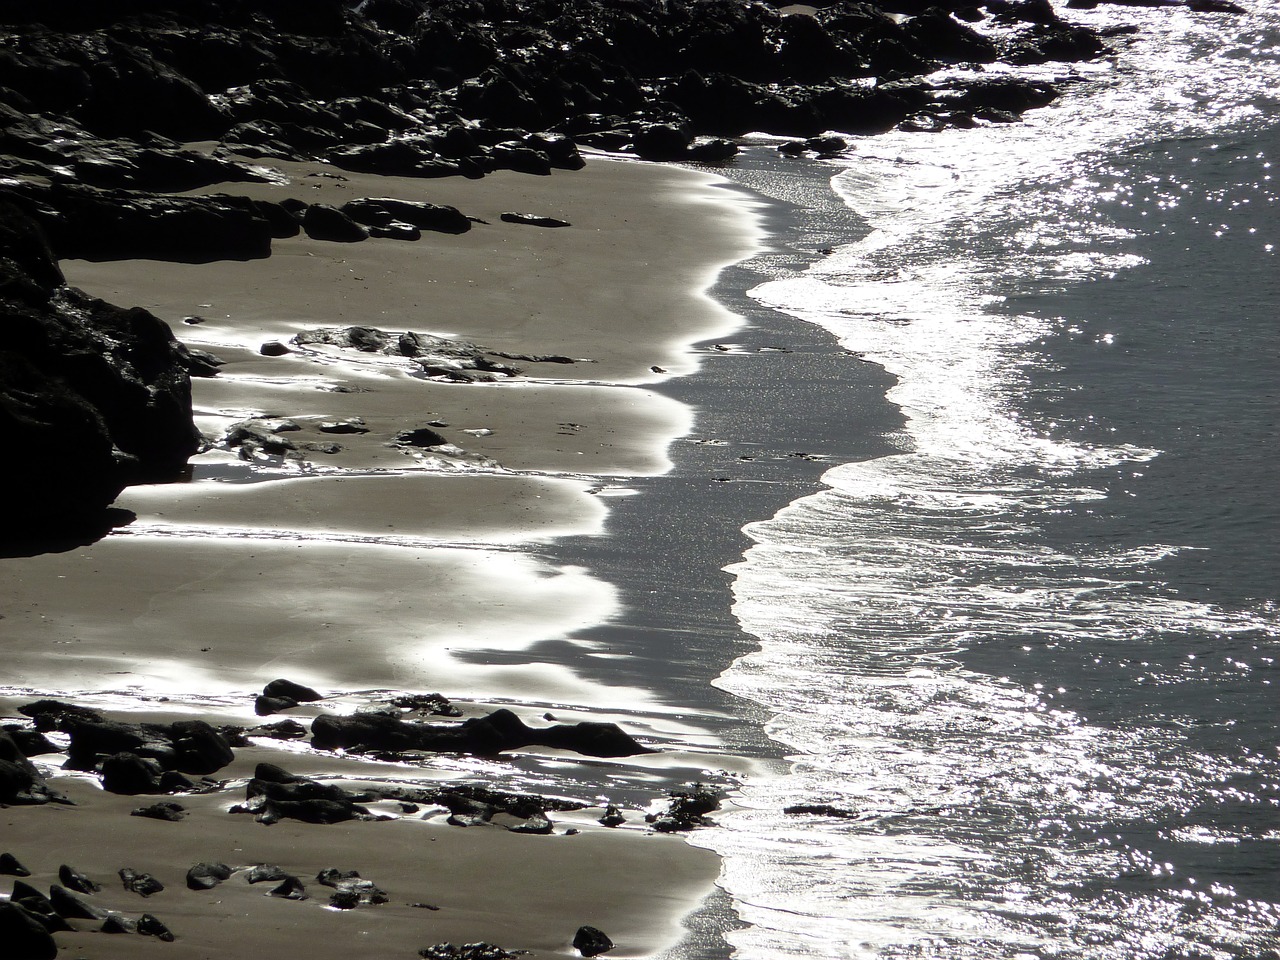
[466,87]
[92,396]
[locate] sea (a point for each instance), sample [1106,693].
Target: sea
[1018,654]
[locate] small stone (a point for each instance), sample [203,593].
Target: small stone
[273,348]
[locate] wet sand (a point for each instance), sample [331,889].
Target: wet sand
[382,568]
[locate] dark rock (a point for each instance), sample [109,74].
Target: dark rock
[533,220]
[101,225]
[81,378]
[421,437]
[612,817]
[589,941]
[538,825]
[206,876]
[820,810]
[19,780]
[74,907]
[500,730]
[283,730]
[352,425]
[686,809]
[190,746]
[344,899]
[265,873]
[165,810]
[712,150]
[663,141]
[46,714]
[273,348]
[76,881]
[383,211]
[23,935]
[323,222]
[171,781]
[118,923]
[290,888]
[468,951]
[31,743]
[266,706]
[200,748]
[39,906]
[10,865]
[143,884]
[275,794]
[151,926]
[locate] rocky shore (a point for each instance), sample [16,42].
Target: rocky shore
[418,312]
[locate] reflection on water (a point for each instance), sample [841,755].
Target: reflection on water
[1029,743]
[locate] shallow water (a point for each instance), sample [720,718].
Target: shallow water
[1029,657]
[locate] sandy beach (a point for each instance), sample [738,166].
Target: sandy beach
[381,568]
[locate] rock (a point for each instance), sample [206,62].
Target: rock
[150,926]
[76,881]
[820,810]
[102,225]
[290,888]
[265,873]
[612,817]
[74,907]
[500,730]
[712,150]
[143,884]
[468,951]
[435,704]
[20,781]
[23,935]
[46,714]
[686,809]
[275,794]
[10,865]
[273,348]
[324,222]
[352,425]
[420,437]
[282,730]
[206,876]
[266,706]
[538,825]
[189,746]
[382,211]
[39,906]
[663,141]
[533,220]
[200,748]
[81,379]
[589,941]
[165,810]
[118,923]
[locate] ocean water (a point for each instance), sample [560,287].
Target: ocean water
[1026,662]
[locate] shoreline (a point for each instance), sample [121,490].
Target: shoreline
[202,632]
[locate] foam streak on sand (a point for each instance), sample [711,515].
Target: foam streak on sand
[380,567]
